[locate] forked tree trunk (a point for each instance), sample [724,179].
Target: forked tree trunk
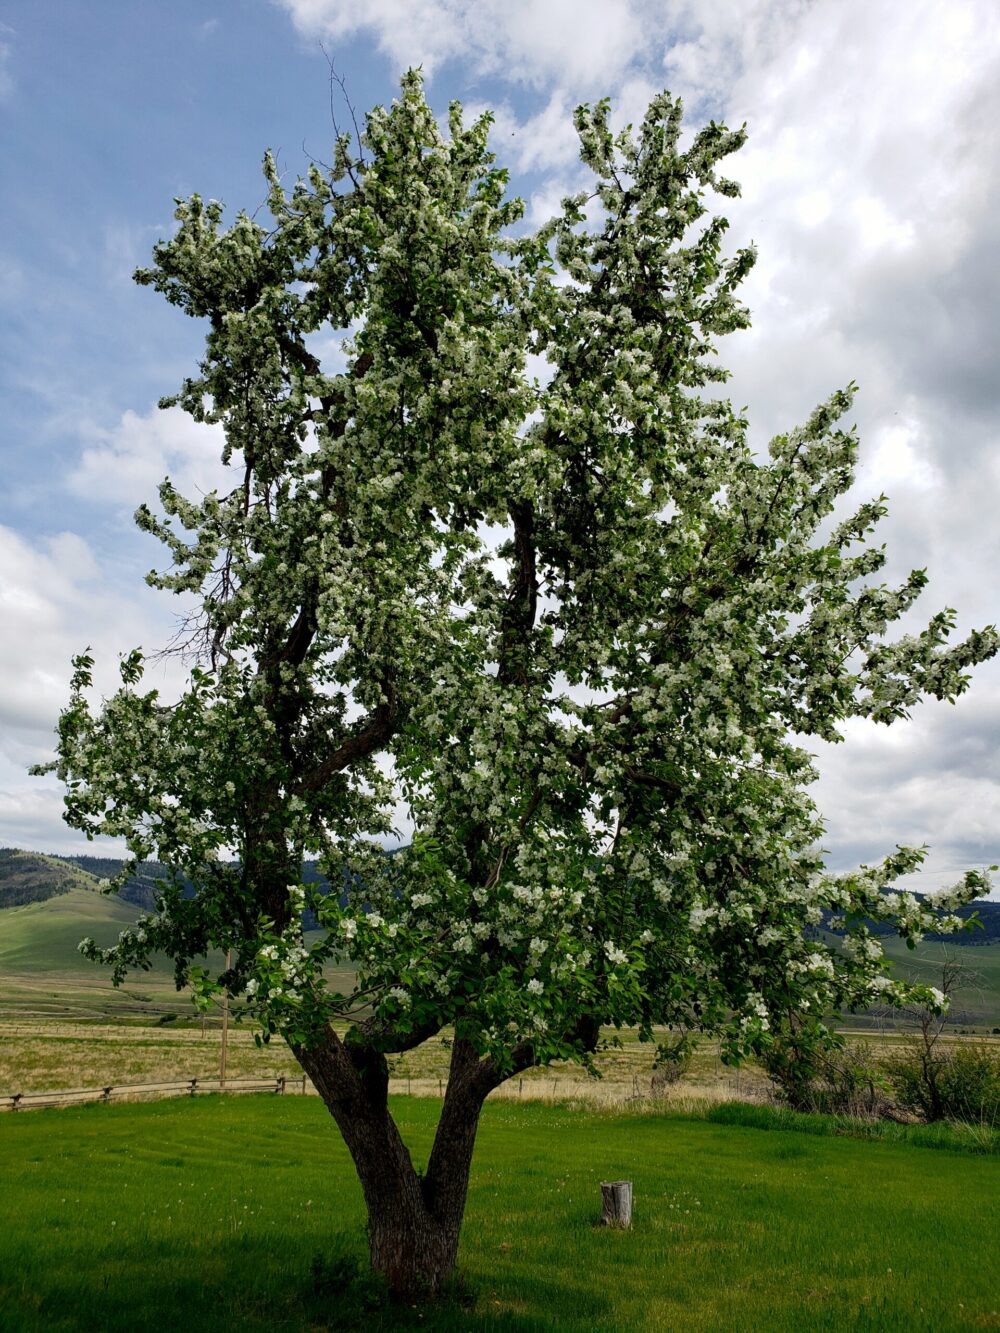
[414,1221]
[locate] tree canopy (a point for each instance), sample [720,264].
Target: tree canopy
[498,552]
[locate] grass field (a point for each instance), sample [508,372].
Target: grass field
[42,973]
[39,1054]
[245,1214]
[976,1002]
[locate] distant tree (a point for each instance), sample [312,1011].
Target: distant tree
[575,626]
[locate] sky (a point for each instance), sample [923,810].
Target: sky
[871,187]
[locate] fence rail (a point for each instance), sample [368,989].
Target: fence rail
[279,1084]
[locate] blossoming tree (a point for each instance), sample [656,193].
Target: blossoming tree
[577,626]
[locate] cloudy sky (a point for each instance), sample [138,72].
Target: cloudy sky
[871,187]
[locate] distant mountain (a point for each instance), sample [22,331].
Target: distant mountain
[988,931]
[31,877]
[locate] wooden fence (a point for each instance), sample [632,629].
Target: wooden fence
[190,1087]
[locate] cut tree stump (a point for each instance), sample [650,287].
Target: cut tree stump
[616,1196]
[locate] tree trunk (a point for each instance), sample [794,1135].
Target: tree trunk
[414,1222]
[413,1252]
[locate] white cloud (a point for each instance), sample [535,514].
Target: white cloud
[7,84]
[933,780]
[125,465]
[871,188]
[40,596]
[57,599]
[895,458]
[588,42]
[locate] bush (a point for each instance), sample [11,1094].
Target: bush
[848,1081]
[959,1082]
[853,1083]
[672,1062]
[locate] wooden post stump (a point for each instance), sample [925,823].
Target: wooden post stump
[616,1196]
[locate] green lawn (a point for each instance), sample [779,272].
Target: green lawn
[209,1214]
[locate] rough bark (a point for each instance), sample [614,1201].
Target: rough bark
[414,1221]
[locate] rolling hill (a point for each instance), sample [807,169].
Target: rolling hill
[31,877]
[48,904]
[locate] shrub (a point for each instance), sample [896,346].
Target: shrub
[673,1060]
[959,1082]
[840,1082]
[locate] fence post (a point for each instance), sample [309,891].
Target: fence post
[194,1086]
[15,1101]
[281,1084]
[616,1197]
[107,1095]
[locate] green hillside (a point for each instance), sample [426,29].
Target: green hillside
[976,1000]
[42,971]
[43,974]
[31,877]
[47,905]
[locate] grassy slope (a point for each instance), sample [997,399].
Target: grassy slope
[977,999]
[41,969]
[27,877]
[42,972]
[208,1214]
[976,1002]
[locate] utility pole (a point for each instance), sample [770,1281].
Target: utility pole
[225,1026]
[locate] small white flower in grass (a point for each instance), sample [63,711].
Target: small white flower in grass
[535,987]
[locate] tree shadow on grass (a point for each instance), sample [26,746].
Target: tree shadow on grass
[247,1285]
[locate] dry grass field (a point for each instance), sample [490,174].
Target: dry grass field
[40,1054]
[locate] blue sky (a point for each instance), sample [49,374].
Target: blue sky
[871,186]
